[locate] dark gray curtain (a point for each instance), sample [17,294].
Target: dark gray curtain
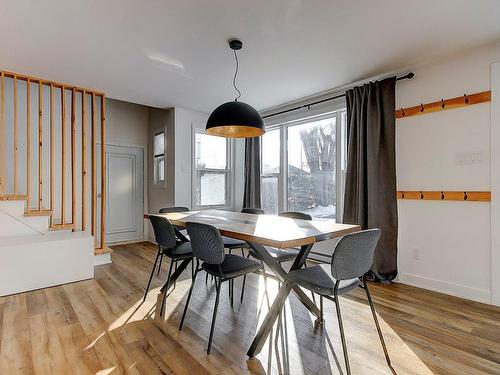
[251,195]
[370,189]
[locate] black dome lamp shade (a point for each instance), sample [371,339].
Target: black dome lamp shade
[235,119]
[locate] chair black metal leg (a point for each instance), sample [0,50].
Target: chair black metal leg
[163,302]
[242,252]
[243,288]
[312,293]
[321,308]
[188,299]
[206,278]
[230,250]
[231,285]
[175,283]
[151,276]
[342,335]
[218,285]
[159,265]
[374,313]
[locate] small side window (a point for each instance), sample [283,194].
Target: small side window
[159,157]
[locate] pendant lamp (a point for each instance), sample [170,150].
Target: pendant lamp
[235,119]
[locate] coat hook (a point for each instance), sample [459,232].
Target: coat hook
[421,195]
[402,112]
[421,107]
[442,103]
[402,194]
[466,99]
[465,195]
[442,195]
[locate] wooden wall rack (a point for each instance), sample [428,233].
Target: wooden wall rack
[469,196]
[444,104]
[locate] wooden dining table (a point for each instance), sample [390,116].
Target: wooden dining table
[260,231]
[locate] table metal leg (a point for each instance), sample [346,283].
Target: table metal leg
[267,324]
[278,303]
[175,275]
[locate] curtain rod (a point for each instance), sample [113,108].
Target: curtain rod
[407,76]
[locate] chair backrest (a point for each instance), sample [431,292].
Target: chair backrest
[353,254]
[167,210]
[164,231]
[206,242]
[296,215]
[255,211]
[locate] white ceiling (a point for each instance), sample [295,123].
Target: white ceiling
[173,53]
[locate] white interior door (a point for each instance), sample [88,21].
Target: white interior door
[125,193]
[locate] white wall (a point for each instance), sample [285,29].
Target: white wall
[495,184]
[445,246]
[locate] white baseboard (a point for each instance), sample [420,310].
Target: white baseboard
[446,287]
[101,259]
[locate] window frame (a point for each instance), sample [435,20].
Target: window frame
[228,171]
[340,138]
[156,181]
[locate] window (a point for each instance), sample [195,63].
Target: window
[303,166]
[212,171]
[159,157]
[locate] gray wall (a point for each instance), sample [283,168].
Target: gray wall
[127,125]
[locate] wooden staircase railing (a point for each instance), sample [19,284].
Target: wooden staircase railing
[69,158]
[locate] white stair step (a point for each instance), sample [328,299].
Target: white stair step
[13,207]
[40,261]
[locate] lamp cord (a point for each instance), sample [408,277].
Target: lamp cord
[234,78]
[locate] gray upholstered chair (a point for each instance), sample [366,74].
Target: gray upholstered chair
[180,231]
[168,245]
[352,258]
[208,247]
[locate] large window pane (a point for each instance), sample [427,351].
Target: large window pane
[271,152]
[212,171]
[211,190]
[269,194]
[270,170]
[210,151]
[311,168]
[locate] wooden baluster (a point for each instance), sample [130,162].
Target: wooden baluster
[15,135]
[28,143]
[63,154]
[103,169]
[94,171]
[40,143]
[2,136]
[84,162]
[51,154]
[73,159]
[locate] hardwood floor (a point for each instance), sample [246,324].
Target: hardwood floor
[100,326]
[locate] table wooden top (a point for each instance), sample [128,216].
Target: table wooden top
[269,230]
